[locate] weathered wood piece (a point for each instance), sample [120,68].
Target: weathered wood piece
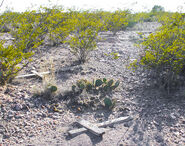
[30,75]
[36,73]
[43,73]
[91,127]
[104,124]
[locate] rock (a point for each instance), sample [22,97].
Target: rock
[99,115]
[128,124]
[19,116]
[10,114]
[172,115]
[159,138]
[83,72]
[18,107]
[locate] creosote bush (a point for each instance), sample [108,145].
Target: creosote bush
[164,51]
[85,35]
[117,21]
[12,60]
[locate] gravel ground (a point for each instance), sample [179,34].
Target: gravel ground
[157,118]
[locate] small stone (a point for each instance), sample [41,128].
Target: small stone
[159,138]
[19,116]
[44,115]
[10,114]
[172,116]
[100,115]
[18,107]
[83,73]
[128,124]
[6,136]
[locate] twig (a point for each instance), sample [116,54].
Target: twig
[2,3]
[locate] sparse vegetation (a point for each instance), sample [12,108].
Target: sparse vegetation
[93,93]
[12,60]
[163,50]
[98,85]
[61,57]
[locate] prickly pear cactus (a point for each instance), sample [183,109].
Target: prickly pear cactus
[53,88]
[73,88]
[98,82]
[109,83]
[89,86]
[104,80]
[82,86]
[108,102]
[106,88]
[116,85]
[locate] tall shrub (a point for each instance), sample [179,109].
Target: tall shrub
[164,51]
[85,34]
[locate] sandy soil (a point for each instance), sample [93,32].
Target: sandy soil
[157,118]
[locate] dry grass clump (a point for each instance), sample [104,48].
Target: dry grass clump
[48,88]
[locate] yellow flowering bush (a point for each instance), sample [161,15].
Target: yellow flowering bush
[164,51]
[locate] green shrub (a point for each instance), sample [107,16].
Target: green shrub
[85,35]
[117,21]
[164,51]
[12,60]
[7,21]
[58,25]
[157,8]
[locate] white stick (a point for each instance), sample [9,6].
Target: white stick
[107,123]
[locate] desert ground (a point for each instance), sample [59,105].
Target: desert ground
[157,118]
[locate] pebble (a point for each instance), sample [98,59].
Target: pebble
[159,138]
[19,116]
[18,107]
[10,114]
[128,124]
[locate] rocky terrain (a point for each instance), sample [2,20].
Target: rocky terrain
[157,117]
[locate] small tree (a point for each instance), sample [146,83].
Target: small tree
[157,8]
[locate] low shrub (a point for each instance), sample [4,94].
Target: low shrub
[12,60]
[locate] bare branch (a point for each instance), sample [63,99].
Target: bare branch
[2,3]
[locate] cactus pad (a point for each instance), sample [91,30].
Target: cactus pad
[108,102]
[53,88]
[110,82]
[98,83]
